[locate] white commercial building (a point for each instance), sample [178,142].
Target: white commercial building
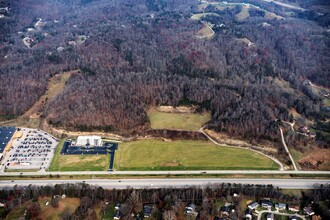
[89,140]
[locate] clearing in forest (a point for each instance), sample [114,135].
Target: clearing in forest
[177,121]
[244,14]
[78,162]
[205,32]
[31,118]
[187,155]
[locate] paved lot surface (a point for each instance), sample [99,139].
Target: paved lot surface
[165,183]
[34,150]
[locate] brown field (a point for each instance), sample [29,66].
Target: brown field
[205,32]
[319,159]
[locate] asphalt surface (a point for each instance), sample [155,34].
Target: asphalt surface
[179,172]
[178,182]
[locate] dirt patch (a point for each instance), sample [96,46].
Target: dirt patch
[316,160]
[205,32]
[171,164]
[178,109]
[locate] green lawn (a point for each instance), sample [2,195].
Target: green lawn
[187,155]
[78,162]
[182,121]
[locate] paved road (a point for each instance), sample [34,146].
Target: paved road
[287,149]
[285,5]
[178,172]
[225,145]
[278,213]
[177,182]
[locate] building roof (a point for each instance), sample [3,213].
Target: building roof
[266,202]
[253,205]
[147,209]
[280,205]
[308,210]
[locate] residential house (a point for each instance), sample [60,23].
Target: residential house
[294,208]
[280,206]
[309,211]
[253,205]
[227,209]
[118,206]
[266,204]
[116,215]
[190,209]
[248,214]
[147,209]
[270,216]
[293,217]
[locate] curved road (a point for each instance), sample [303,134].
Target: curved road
[178,182]
[215,142]
[278,213]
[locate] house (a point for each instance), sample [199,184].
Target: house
[293,217]
[280,206]
[147,209]
[309,211]
[270,216]
[266,204]
[248,214]
[227,209]
[190,209]
[294,208]
[253,205]
[118,206]
[116,215]
[63,196]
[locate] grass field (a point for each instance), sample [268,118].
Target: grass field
[244,14]
[186,121]
[186,155]
[78,162]
[67,205]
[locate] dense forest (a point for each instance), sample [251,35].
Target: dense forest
[136,54]
[208,200]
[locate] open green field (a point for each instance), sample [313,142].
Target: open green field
[182,121]
[78,162]
[187,155]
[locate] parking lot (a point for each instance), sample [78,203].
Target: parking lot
[34,150]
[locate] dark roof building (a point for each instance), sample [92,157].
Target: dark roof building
[147,209]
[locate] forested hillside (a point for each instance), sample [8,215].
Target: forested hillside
[136,54]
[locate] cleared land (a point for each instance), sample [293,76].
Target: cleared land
[78,162]
[31,118]
[186,155]
[205,32]
[66,205]
[244,14]
[186,121]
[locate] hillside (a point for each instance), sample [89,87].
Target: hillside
[135,55]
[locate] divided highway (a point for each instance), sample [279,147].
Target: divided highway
[178,182]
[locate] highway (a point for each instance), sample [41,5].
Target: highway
[177,172]
[168,182]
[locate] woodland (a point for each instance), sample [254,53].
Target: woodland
[133,55]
